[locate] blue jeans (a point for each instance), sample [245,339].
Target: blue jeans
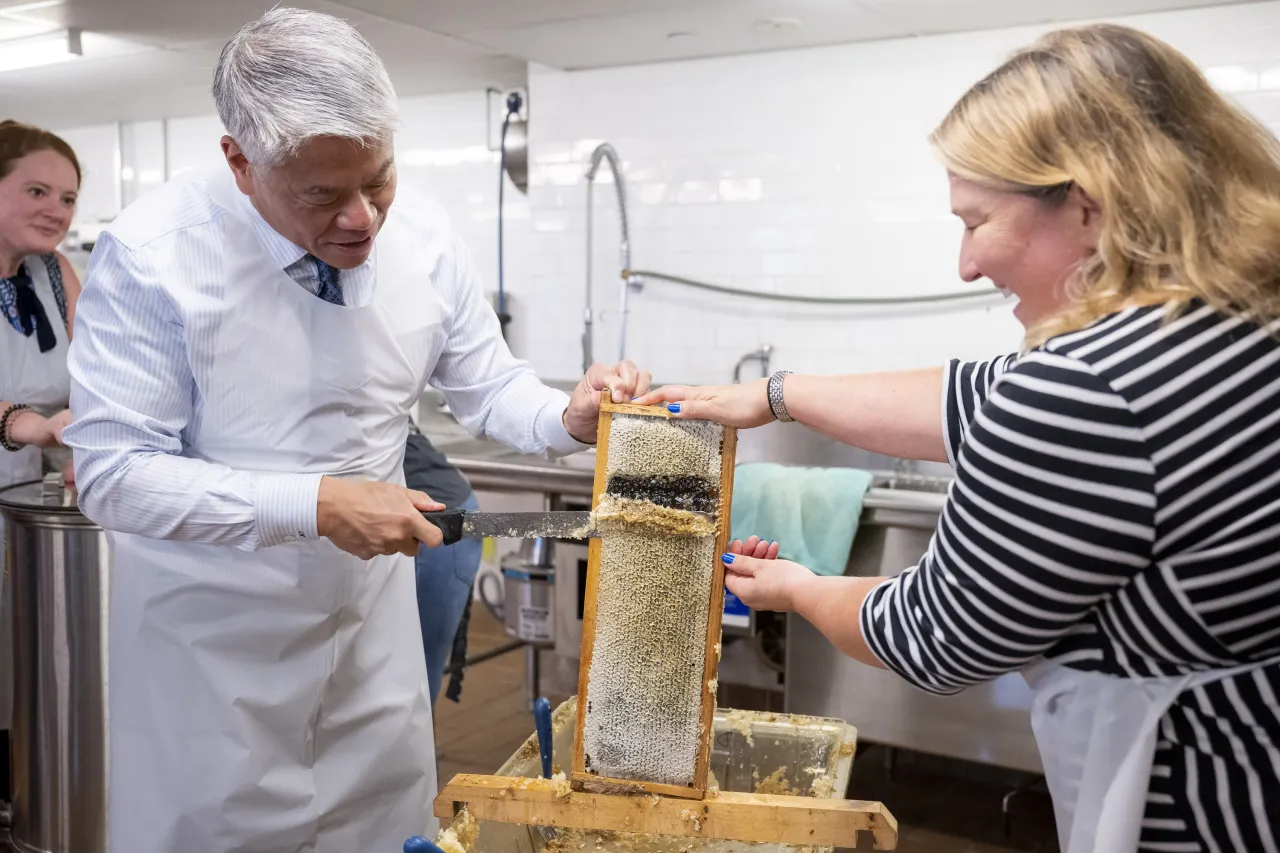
[445,576]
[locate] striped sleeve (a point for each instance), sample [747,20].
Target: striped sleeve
[965,387]
[1052,508]
[131,397]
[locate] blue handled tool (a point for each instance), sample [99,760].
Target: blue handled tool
[542,725]
[542,722]
[418,844]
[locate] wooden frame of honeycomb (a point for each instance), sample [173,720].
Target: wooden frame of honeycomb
[584,775]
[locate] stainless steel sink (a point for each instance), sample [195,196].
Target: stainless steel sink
[907,482]
[476,448]
[793,444]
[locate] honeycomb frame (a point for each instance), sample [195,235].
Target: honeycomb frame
[580,776]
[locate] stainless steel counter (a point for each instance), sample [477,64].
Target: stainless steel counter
[491,466]
[517,472]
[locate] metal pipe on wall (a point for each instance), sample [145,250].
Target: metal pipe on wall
[164,150]
[605,152]
[923,299]
[588,307]
[119,166]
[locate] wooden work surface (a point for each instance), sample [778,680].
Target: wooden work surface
[579,773]
[799,821]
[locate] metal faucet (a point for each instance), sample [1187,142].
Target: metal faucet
[761,355]
[605,152]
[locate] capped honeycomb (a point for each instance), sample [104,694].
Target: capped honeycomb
[644,690]
[641,445]
[644,697]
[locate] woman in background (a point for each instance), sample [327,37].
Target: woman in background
[1113,528]
[39,183]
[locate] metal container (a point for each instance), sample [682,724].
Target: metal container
[57,566]
[528,577]
[811,756]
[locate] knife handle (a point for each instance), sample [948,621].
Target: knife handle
[418,844]
[449,521]
[542,725]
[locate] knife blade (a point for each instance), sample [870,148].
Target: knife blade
[457,524]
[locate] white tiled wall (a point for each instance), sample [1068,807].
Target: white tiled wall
[803,172]
[97,149]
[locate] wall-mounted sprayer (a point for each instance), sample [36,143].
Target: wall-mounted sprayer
[515,144]
[605,152]
[513,163]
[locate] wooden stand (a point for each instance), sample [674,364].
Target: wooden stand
[579,775]
[798,821]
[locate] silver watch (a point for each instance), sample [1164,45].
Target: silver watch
[776,403]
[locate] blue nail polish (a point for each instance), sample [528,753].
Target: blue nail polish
[673,408]
[728,558]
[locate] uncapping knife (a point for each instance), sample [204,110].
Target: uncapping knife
[458,524]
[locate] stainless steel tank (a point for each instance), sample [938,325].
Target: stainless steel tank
[57,563]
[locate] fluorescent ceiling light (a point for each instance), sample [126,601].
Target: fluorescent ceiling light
[44,49]
[17,22]
[21,9]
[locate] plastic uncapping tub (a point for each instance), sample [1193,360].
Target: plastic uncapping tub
[751,751]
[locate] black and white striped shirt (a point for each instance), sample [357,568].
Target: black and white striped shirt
[1116,507]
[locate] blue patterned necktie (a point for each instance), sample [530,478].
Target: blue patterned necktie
[330,290]
[29,312]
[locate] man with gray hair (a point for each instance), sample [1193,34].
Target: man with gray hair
[245,361]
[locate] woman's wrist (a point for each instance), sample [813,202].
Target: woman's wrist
[24,426]
[806,595]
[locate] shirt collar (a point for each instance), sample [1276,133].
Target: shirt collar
[282,250]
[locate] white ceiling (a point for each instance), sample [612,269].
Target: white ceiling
[150,58]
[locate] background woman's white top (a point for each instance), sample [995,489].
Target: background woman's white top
[39,379]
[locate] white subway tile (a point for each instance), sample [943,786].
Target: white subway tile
[823,183]
[783,264]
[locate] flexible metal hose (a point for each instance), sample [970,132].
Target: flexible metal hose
[985,293]
[605,152]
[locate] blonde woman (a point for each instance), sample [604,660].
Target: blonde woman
[1114,525]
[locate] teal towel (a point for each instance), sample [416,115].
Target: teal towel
[811,512]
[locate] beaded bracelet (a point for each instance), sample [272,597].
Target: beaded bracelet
[5,441]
